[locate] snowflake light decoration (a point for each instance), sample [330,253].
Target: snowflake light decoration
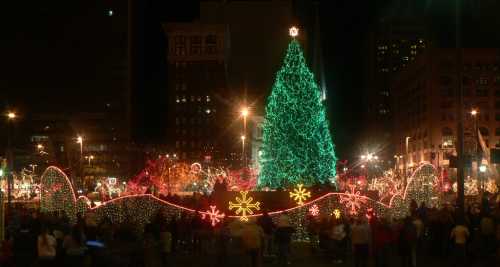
[213,214]
[336,213]
[300,194]
[244,206]
[352,200]
[314,210]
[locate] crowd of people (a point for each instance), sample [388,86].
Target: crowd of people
[428,235]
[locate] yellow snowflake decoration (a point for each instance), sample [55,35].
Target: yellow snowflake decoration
[336,213]
[300,194]
[244,206]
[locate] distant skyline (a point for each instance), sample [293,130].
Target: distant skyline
[73,55]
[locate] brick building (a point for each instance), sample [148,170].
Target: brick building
[425,104]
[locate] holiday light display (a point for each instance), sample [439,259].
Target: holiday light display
[314,210]
[300,194]
[56,193]
[491,186]
[244,206]
[470,187]
[336,213]
[297,146]
[213,214]
[353,200]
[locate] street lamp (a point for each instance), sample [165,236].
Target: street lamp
[79,140]
[11,117]
[243,137]
[89,158]
[244,113]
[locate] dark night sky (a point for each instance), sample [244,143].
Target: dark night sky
[56,56]
[70,55]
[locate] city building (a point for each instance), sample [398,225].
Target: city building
[425,105]
[256,46]
[395,43]
[198,96]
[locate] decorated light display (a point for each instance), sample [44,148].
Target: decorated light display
[297,146]
[352,199]
[300,194]
[491,186]
[57,193]
[314,210]
[336,213]
[244,206]
[213,215]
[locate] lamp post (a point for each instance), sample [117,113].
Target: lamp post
[244,158]
[89,158]
[244,114]
[79,140]
[473,114]
[11,117]
[405,158]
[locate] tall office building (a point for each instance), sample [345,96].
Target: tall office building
[394,45]
[425,104]
[198,97]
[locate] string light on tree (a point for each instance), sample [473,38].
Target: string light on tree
[297,147]
[214,215]
[244,206]
[300,194]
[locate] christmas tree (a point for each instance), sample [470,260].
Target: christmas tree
[297,147]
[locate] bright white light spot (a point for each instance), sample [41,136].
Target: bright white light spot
[482,168]
[293,31]
[110,12]
[207,111]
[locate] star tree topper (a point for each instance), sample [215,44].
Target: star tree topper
[214,215]
[244,206]
[300,194]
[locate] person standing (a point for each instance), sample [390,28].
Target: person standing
[46,245]
[360,238]
[251,236]
[459,235]
[268,226]
[283,238]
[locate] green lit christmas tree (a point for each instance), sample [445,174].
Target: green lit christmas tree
[297,146]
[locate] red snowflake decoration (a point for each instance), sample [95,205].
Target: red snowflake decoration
[314,210]
[352,200]
[214,215]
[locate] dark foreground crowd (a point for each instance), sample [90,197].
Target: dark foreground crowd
[427,237]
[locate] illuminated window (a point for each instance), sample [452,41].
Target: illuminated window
[483,81]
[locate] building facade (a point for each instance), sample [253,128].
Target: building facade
[394,45]
[425,105]
[198,98]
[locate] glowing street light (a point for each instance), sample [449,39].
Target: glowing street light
[11,115]
[244,112]
[79,140]
[89,158]
[474,112]
[482,168]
